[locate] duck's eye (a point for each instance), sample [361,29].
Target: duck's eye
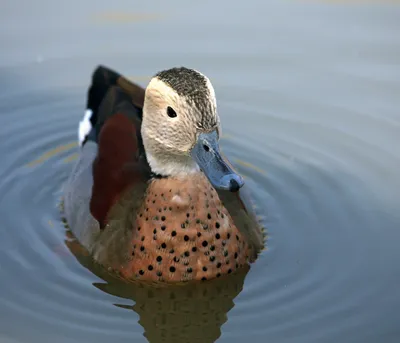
[171,112]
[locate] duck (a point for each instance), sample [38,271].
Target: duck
[151,196]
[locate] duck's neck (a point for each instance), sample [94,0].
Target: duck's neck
[171,165]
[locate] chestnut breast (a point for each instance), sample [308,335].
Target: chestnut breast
[183,232]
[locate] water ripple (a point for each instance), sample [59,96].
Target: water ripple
[322,168]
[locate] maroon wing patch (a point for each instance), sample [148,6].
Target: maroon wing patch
[114,166]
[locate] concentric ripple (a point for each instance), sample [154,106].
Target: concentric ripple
[308,95]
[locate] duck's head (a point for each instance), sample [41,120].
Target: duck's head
[181,128]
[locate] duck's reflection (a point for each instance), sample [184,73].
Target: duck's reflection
[191,312]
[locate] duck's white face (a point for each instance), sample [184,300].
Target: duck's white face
[181,128]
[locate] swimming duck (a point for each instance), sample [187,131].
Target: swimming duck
[151,196]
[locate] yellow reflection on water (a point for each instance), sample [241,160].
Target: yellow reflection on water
[51,153]
[250,166]
[71,158]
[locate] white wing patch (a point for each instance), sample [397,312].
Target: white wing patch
[84,126]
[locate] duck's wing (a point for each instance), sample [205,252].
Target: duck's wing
[120,162]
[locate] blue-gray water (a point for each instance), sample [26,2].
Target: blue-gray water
[309,96]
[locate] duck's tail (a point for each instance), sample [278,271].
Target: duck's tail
[102,79]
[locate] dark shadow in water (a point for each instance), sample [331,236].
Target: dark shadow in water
[192,312]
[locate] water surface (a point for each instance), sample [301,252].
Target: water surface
[309,99]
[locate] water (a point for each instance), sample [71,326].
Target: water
[309,99]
